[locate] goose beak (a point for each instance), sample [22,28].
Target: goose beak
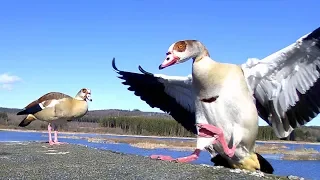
[89,97]
[170,60]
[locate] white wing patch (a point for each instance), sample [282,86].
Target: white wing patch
[277,79]
[51,104]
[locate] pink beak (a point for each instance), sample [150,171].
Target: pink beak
[170,60]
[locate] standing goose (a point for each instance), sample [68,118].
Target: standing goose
[56,108]
[224,100]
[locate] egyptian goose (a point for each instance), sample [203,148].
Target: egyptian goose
[56,108]
[224,100]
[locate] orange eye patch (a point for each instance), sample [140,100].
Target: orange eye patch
[180,46]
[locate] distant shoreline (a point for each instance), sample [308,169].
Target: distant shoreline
[68,132]
[160,137]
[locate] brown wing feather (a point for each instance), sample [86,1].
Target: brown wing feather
[47,97]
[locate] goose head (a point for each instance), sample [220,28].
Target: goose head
[183,50]
[84,94]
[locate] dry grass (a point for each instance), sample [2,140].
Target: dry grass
[270,148]
[175,145]
[148,143]
[282,149]
[302,157]
[289,142]
[296,154]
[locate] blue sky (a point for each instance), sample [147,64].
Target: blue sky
[66,45]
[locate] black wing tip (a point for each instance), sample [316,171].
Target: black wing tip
[117,70]
[265,166]
[315,34]
[22,112]
[31,110]
[317,30]
[24,123]
[114,64]
[144,71]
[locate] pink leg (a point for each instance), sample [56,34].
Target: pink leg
[49,132]
[194,156]
[207,129]
[56,138]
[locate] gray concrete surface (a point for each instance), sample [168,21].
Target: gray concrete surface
[36,160]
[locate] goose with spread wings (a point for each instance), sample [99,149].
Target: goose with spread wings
[220,102]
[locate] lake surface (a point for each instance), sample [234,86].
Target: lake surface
[306,169]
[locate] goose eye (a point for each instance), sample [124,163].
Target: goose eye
[180,46]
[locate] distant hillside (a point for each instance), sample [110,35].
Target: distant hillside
[106,113]
[9,110]
[137,122]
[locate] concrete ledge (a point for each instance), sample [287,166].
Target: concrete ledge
[37,160]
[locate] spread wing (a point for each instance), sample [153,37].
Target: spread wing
[171,94]
[286,84]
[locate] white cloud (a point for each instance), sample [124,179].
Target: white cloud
[6,86]
[7,81]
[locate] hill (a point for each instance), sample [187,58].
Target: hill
[137,122]
[106,113]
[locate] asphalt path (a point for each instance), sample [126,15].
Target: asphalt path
[38,160]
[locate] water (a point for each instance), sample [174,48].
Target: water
[298,146]
[126,136]
[307,169]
